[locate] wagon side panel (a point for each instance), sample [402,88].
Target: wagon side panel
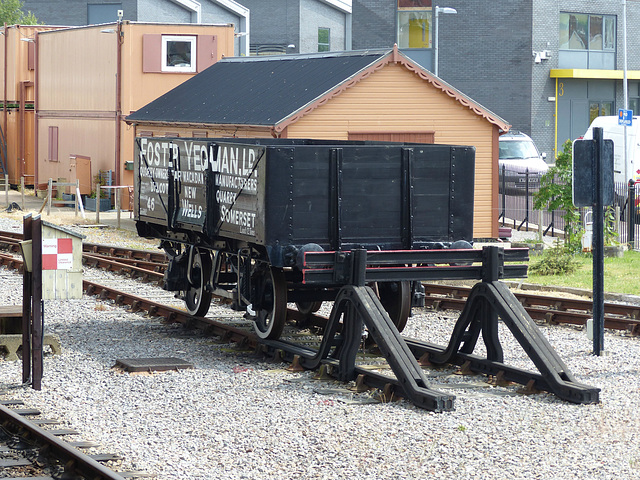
[371,196]
[310,192]
[442,185]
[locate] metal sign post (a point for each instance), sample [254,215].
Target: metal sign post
[593,187]
[598,247]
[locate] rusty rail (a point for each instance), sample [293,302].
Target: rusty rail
[74,461]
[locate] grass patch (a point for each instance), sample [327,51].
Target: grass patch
[620,274]
[555,261]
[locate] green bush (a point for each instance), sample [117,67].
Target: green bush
[554,261]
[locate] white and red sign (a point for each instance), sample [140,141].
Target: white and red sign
[57,254]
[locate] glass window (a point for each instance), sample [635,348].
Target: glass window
[517,149]
[597,109]
[573,31]
[323,39]
[581,31]
[609,32]
[595,32]
[414,23]
[178,53]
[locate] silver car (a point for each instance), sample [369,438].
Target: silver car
[519,160]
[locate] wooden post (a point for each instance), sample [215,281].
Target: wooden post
[27,292]
[36,305]
[49,192]
[6,188]
[98,195]
[22,191]
[76,195]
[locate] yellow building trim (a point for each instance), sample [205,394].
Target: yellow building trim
[593,74]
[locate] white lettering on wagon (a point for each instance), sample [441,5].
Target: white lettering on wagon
[189,162]
[235,179]
[236,160]
[243,219]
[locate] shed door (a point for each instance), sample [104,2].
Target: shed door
[80,169]
[407,137]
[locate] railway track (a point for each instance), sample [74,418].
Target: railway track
[551,309]
[293,348]
[546,308]
[34,447]
[236,329]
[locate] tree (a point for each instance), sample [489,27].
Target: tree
[556,194]
[11,13]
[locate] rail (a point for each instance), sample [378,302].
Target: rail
[74,460]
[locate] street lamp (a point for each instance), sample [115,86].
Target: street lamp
[625,86]
[438,10]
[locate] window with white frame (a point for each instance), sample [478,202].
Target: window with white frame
[178,53]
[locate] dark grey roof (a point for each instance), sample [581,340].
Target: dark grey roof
[255,90]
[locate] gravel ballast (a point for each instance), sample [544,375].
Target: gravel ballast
[237,417]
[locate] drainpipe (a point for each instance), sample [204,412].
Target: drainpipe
[22,130]
[4,102]
[120,39]
[36,95]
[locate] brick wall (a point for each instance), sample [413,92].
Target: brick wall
[374,24]
[274,21]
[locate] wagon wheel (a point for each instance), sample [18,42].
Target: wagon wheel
[197,299]
[307,308]
[396,300]
[269,295]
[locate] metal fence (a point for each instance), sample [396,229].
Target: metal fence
[516,198]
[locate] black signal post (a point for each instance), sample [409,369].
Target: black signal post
[593,187]
[598,245]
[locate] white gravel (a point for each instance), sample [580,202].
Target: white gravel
[235,417]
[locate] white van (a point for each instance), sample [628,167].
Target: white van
[615,132]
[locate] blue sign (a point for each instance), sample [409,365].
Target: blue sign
[625,117]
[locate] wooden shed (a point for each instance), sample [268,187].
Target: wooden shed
[89,78]
[367,95]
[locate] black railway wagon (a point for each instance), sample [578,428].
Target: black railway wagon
[236,216]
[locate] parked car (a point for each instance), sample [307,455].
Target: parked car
[518,160]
